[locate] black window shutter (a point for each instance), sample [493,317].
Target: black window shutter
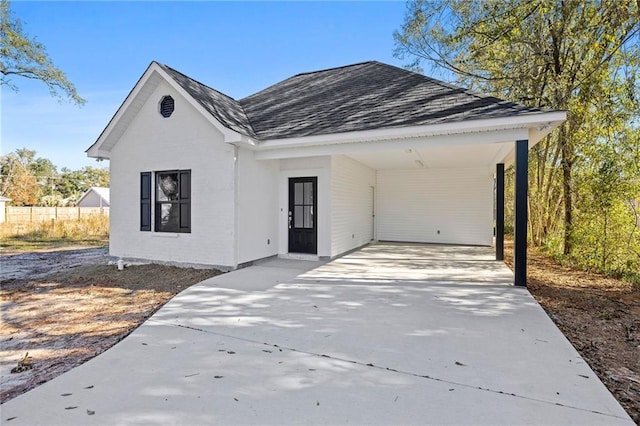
[185,201]
[145,201]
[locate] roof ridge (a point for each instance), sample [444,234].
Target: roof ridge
[243,100]
[215,107]
[333,68]
[199,82]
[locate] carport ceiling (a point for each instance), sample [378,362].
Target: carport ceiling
[461,156]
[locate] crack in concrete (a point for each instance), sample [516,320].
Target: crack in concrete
[407,373]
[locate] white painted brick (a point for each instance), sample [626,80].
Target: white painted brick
[186,140]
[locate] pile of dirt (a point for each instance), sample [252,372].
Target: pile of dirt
[599,315]
[68,317]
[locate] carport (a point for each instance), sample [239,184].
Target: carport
[428,184]
[392,155]
[389,334]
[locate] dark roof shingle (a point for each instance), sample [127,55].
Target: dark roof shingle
[364,96]
[224,108]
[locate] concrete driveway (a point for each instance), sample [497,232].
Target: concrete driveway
[390,334]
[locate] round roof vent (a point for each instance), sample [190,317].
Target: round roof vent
[167,106]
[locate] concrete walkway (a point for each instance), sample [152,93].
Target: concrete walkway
[390,334]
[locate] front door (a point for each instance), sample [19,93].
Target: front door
[303,226]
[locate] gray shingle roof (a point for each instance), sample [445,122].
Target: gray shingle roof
[364,96]
[224,108]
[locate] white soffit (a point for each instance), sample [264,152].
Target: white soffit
[545,122]
[458,156]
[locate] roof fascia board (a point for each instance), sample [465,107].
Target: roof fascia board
[547,120]
[230,136]
[244,141]
[497,136]
[96,151]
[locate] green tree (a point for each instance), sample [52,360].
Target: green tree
[30,180]
[25,57]
[577,55]
[17,180]
[46,173]
[73,183]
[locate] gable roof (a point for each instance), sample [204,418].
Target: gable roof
[365,96]
[349,100]
[102,192]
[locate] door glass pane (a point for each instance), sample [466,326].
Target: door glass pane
[308,217]
[308,192]
[298,189]
[297,216]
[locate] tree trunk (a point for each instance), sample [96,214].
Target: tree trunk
[567,184]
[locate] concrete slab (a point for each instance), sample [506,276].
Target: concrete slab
[390,334]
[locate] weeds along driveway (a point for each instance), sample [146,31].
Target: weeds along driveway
[389,334]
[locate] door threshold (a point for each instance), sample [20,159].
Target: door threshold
[299,256]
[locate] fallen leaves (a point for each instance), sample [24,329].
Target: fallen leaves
[600,316]
[100,307]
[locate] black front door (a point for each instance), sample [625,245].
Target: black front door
[303,227]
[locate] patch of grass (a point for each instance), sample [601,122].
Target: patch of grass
[92,230]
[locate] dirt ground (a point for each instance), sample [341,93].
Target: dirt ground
[37,264]
[599,315]
[63,314]
[65,307]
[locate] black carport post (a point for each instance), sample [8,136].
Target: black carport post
[520,226]
[500,211]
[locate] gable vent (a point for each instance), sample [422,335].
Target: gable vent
[166,106]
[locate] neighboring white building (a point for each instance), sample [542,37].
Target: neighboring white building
[321,163]
[3,208]
[95,196]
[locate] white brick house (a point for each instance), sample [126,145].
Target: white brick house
[321,163]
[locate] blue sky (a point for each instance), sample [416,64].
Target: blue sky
[235,47]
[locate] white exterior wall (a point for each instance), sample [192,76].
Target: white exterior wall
[3,210]
[257,207]
[352,185]
[319,167]
[413,205]
[186,140]
[93,200]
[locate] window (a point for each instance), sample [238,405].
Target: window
[167,106]
[172,201]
